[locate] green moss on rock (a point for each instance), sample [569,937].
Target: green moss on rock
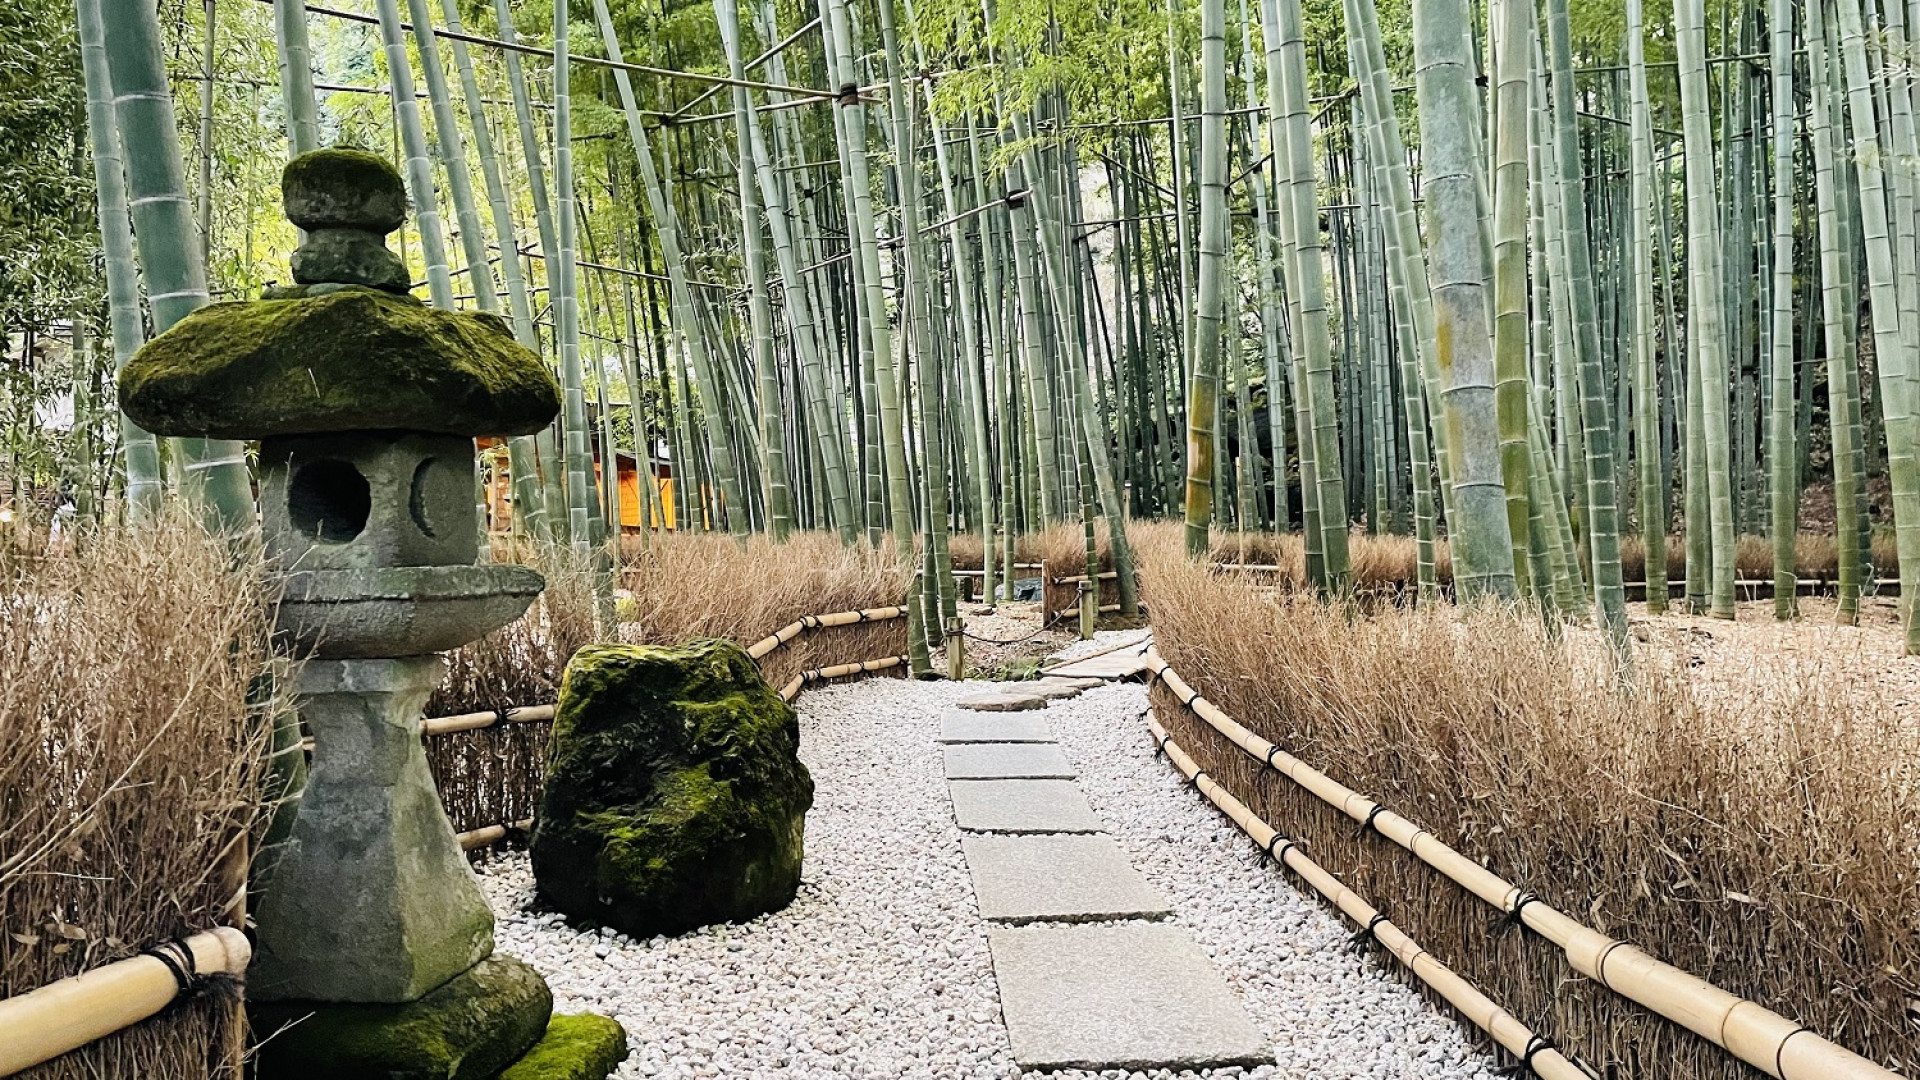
[674,795]
[354,359]
[469,1029]
[584,1047]
[343,188]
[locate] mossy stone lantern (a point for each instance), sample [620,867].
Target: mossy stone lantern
[365,403]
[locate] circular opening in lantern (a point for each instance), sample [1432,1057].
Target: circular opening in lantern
[329,501]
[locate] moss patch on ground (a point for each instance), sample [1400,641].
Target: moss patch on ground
[584,1047]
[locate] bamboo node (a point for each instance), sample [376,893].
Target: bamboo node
[180,964]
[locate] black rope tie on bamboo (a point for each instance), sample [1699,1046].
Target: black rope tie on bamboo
[500,716]
[1161,746]
[1511,918]
[1363,936]
[1535,1045]
[1014,199]
[1377,810]
[848,94]
[1272,749]
[180,964]
[1283,845]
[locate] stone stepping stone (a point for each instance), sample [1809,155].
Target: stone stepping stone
[1001,701]
[1007,761]
[971,728]
[1057,879]
[1129,995]
[1023,806]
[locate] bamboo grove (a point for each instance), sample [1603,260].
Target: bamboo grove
[1526,280]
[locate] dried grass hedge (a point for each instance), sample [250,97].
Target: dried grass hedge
[130,773]
[1766,841]
[682,586]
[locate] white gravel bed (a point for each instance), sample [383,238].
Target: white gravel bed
[880,968]
[1330,1013]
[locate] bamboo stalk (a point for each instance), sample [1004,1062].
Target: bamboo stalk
[42,1024]
[1764,1039]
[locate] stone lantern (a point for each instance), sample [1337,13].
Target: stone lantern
[365,403]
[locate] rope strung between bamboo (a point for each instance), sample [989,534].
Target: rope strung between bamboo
[1749,1031]
[1536,1051]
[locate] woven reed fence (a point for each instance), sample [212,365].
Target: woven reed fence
[487,764]
[1445,889]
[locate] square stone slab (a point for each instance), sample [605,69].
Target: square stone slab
[1057,879]
[1023,806]
[1007,761]
[1128,995]
[992,727]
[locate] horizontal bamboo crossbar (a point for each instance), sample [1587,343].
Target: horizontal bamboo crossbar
[1539,1053]
[794,629]
[1756,1035]
[42,1024]
[474,721]
[491,834]
[838,671]
[1104,575]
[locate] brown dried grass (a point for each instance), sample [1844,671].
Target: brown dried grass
[130,772]
[1764,841]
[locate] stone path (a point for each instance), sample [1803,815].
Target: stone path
[1089,975]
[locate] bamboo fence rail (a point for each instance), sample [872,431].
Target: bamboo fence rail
[42,1024]
[1756,1035]
[1537,1052]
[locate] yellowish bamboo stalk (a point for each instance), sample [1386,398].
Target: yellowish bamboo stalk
[43,1024]
[1758,1036]
[475,721]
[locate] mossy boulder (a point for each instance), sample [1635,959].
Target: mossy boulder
[354,359]
[471,1028]
[674,795]
[584,1047]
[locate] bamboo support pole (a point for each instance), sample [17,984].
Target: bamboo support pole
[794,629]
[491,834]
[1540,1055]
[475,721]
[838,671]
[1763,1039]
[42,1024]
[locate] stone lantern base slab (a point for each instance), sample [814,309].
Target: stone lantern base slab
[472,1028]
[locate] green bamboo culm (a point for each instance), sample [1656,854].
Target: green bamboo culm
[1647,399]
[1512,190]
[1293,152]
[419,165]
[1457,251]
[1783,456]
[773,454]
[296,75]
[1603,529]
[563,288]
[686,318]
[529,506]
[1837,318]
[1707,359]
[1203,382]
[213,472]
[140,451]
